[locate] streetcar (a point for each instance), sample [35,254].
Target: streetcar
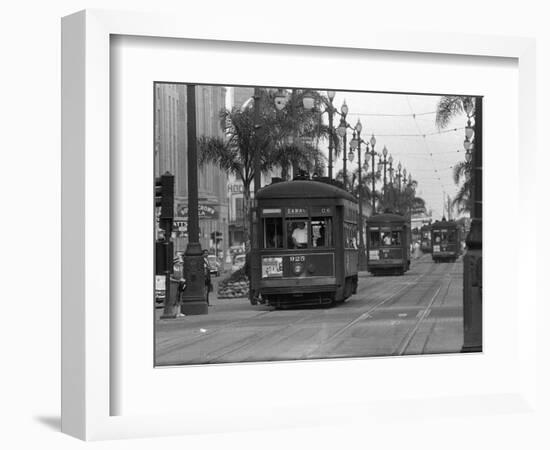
[446,240]
[426,239]
[388,244]
[307,254]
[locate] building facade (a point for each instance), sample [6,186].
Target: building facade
[171,156]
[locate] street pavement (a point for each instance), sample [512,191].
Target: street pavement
[416,313]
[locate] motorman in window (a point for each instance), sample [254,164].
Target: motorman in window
[299,235]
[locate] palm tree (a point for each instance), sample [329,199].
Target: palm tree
[403,201]
[279,141]
[352,184]
[462,172]
[447,108]
[299,133]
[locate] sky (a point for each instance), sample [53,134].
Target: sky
[405,124]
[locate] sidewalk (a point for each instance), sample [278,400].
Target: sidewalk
[233,308]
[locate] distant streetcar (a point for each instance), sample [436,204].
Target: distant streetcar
[308,250]
[426,239]
[388,244]
[446,240]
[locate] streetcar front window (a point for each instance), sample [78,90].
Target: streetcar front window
[321,232]
[374,239]
[297,233]
[385,238]
[444,236]
[396,238]
[273,232]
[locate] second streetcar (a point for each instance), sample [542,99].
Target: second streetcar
[388,244]
[446,240]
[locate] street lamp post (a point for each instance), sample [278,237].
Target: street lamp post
[399,176]
[309,103]
[342,131]
[392,191]
[356,144]
[330,111]
[254,255]
[193,297]
[373,153]
[384,163]
[472,292]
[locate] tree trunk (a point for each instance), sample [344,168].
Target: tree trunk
[247,203]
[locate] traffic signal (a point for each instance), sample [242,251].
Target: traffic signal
[216,236]
[164,196]
[164,252]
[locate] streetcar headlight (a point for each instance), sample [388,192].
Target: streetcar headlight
[297,269]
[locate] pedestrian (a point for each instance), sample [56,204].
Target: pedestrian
[207,277]
[416,250]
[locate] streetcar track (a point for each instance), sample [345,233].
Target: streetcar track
[433,324]
[408,338]
[435,270]
[246,339]
[204,336]
[422,282]
[364,315]
[376,281]
[420,318]
[267,335]
[254,338]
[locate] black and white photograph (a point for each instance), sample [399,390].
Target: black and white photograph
[300,223]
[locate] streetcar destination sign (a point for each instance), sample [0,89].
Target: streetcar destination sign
[297,212]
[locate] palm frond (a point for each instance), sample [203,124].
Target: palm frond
[450,106]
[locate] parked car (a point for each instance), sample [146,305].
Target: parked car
[236,250]
[238,262]
[214,265]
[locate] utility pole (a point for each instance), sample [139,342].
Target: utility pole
[194,296]
[472,296]
[254,255]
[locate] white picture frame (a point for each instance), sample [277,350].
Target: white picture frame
[87,322]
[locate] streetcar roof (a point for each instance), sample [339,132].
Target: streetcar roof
[303,189]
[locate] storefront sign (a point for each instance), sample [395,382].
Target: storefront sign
[205,211]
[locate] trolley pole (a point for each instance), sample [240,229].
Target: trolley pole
[361,260]
[330,138]
[254,256]
[194,296]
[373,193]
[472,297]
[345,169]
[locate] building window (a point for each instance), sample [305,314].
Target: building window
[239,209]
